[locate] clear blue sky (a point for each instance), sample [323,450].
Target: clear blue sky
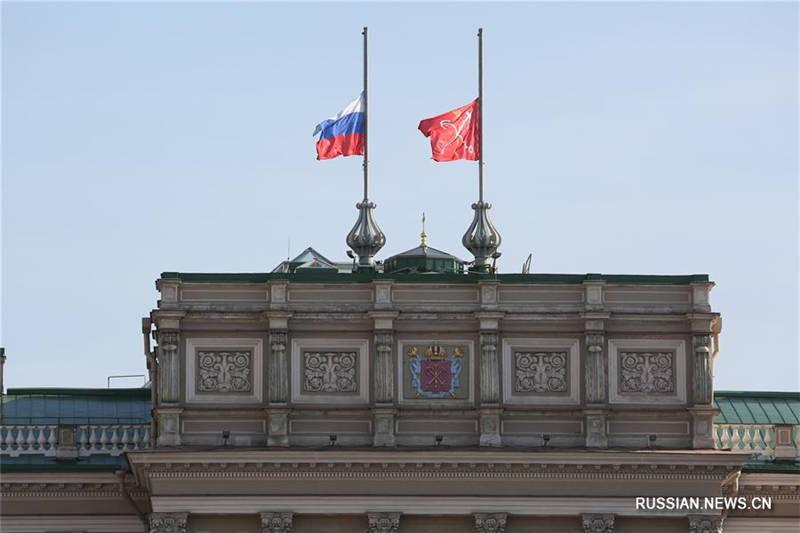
[619,138]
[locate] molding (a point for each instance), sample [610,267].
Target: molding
[417,505]
[358,345]
[225,398]
[84,523]
[678,346]
[572,347]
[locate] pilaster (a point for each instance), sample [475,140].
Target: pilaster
[702,387]
[490,522]
[598,523]
[595,361]
[703,426]
[489,385]
[384,522]
[167,522]
[169,379]
[595,371]
[705,523]
[384,368]
[280,522]
[278,368]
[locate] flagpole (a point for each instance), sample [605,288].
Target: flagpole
[366,238]
[366,120]
[480,115]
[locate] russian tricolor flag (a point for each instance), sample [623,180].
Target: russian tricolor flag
[344,133]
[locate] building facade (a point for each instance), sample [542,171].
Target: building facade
[310,399]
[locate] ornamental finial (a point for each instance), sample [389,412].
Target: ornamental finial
[481,238]
[366,238]
[423,236]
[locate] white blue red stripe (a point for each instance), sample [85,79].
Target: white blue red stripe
[342,134]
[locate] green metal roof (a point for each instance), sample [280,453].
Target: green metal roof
[76,406]
[471,277]
[739,407]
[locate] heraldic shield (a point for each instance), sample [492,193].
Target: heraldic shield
[436,374]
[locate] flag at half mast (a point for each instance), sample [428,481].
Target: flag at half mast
[455,134]
[342,134]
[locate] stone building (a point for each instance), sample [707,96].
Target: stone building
[413,399]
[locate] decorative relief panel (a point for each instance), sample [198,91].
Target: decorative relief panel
[435,371]
[227,370]
[224,371]
[646,372]
[540,372]
[325,371]
[330,372]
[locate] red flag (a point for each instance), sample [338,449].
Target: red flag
[455,134]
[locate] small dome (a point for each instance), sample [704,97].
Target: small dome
[423,259]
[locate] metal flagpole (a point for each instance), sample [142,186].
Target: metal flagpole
[480,115]
[366,120]
[366,238]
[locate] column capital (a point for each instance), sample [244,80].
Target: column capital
[276,522]
[490,522]
[384,522]
[705,523]
[167,522]
[598,523]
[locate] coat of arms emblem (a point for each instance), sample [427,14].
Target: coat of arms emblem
[436,373]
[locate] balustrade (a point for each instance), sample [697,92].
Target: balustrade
[90,439]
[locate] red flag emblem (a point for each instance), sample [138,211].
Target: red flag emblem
[455,134]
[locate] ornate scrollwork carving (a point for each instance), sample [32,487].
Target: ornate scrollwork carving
[542,372]
[330,372]
[647,372]
[705,524]
[224,371]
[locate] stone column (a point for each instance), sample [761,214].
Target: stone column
[167,522]
[276,522]
[598,523]
[278,368]
[490,522]
[705,524]
[702,381]
[384,522]
[169,378]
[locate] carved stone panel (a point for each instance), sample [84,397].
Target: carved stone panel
[540,372]
[224,371]
[646,370]
[330,372]
[649,372]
